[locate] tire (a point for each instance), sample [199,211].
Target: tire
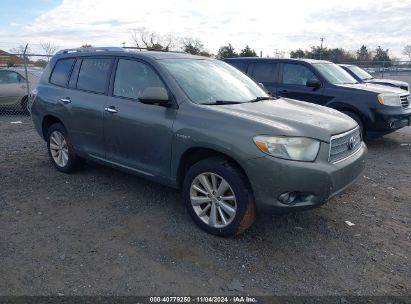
[24,106]
[357,120]
[59,148]
[243,204]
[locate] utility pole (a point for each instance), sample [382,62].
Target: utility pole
[321,49]
[124,44]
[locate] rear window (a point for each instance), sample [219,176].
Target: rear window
[61,71]
[93,74]
[264,72]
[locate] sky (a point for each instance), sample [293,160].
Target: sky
[266,26]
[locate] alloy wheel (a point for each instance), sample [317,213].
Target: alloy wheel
[213,200]
[59,149]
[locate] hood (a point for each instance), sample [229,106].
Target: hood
[387,81]
[374,88]
[292,118]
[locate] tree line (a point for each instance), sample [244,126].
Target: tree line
[143,38]
[340,55]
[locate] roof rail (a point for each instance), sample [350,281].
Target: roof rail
[150,49]
[90,49]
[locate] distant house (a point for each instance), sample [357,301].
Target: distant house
[6,59]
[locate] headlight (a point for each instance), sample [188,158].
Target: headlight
[294,148]
[388,99]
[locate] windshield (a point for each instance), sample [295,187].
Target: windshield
[359,72]
[334,73]
[212,81]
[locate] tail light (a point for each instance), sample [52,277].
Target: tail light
[33,96]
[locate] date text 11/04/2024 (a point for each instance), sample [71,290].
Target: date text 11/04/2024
[204,299]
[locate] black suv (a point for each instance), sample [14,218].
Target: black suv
[377,109]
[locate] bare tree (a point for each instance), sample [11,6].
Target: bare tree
[194,46]
[49,48]
[19,51]
[143,38]
[407,51]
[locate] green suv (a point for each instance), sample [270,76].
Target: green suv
[197,124]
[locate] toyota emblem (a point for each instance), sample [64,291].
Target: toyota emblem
[351,143]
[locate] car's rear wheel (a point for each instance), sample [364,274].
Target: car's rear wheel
[25,106]
[60,149]
[218,197]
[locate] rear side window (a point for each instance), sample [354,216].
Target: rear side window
[264,72]
[8,77]
[61,72]
[242,66]
[297,74]
[93,74]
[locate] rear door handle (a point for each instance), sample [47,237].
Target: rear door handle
[283,92]
[111,109]
[65,100]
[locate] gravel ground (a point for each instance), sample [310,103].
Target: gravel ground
[103,232]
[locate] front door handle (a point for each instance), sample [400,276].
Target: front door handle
[283,92]
[65,100]
[111,109]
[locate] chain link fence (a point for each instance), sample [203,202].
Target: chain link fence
[19,75]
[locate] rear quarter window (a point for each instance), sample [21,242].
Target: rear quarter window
[93,74]
[61,72]
[264,72]
[242,66]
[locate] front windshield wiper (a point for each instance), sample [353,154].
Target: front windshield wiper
[260,98]
[221,102]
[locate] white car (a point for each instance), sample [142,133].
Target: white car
[13,88]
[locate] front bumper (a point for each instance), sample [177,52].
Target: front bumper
[389,119]
[314,182]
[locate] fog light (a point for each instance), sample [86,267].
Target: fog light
[287,197]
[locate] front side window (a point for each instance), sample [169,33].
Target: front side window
[264,72]
[93,74]
[132,77]
[61,71]
[297,74]
[208,81]
[334,73]
[9,77]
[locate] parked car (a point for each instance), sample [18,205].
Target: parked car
[377,109]
[13,88]
[197,124]
[363,76]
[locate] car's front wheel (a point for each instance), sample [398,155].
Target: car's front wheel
[60,149]
[358,121]
[218,197]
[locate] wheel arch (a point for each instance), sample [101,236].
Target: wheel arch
[48,121]
[349,108]
[194,155]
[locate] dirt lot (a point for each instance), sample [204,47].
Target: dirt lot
[104,232]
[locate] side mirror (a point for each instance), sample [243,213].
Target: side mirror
[154,95]
[313,83]
[261,85]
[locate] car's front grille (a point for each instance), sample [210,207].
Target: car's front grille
[405,100]
[344,145]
